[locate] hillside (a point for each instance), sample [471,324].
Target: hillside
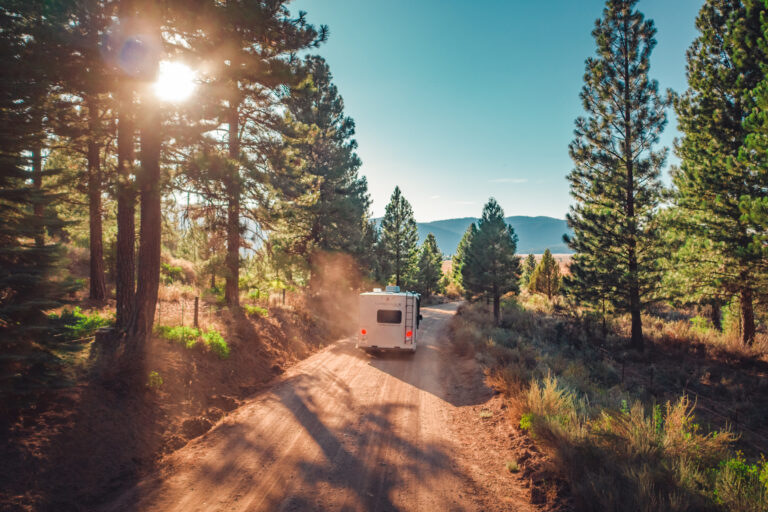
[535,233]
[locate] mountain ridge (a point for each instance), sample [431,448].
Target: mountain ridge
[535,234]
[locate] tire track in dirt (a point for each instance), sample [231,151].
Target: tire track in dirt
[342,430]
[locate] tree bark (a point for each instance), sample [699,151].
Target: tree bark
[715,315]
[37,184]
[148,181]
[634,287]
[747,317]
[126,213]
[496,307]
[232,285]
[98,287]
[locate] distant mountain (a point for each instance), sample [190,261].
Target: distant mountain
[535,234]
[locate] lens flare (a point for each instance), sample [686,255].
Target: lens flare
[175,81]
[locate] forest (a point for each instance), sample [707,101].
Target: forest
[179,179]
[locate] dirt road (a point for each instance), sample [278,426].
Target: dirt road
[340,431]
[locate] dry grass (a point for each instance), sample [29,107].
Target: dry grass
[175,292]
[616,445]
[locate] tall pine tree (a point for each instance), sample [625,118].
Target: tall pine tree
[31,280]
[616,176]
[546,278]
[490,264]
[458,258]
[318,141]
[528,267]
[429,267]
[714,186]
[399,239]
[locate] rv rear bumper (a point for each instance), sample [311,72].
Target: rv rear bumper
[374,348]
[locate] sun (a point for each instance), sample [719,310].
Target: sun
[175,81]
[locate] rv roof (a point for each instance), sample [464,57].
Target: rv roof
[389,294]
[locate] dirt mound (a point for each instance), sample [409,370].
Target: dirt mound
[70,449]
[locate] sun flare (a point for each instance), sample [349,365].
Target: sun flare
[175,82]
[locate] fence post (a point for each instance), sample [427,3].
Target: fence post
[197,303]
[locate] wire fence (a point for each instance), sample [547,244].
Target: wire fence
[758,437]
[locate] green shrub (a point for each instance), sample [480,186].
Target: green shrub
[214,341]
[171,273]
[700,325]
[741,486]
[155,380]
[75,324]
[187,336]
[512,466]
[526,421]
[255,310]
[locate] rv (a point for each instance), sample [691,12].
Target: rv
[389,320]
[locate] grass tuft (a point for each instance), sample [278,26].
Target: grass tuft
[190,336]
[615,446]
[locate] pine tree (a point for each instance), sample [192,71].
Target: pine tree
[616,176]
[528,267]
[461,250]
[399,238]
[82,109]
[713,184]
[546,278]
[256,41]
[430,267]
[490,264]
[31,278]
[319,138]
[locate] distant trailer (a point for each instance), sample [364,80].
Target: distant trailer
[389,320]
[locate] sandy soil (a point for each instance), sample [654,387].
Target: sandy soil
[343,430]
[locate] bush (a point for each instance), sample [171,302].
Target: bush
[741,486]
[189,336]
[216,343]
[171,273]
[75,324]
[255,310]
[155,380]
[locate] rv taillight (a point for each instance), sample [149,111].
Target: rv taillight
[363,332]
[409,334]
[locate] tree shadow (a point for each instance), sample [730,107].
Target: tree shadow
[312,443]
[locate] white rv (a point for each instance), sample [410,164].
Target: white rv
[389,320]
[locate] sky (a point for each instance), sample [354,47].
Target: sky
[457,101]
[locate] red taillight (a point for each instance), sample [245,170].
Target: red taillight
[409,334]
[363,332]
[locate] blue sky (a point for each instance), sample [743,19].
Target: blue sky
[456,101]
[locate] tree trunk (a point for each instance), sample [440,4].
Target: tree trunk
[232,285]
[715,315]
[37,184]
[747,317]
[148,181]
[634,285]
[496,308]
[126,213]
[98,288]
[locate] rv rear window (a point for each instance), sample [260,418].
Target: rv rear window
[389,316]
